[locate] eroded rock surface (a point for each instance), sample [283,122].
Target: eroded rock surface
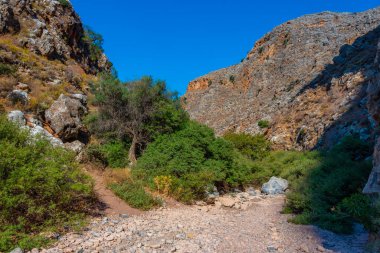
[64,117]
[307,78]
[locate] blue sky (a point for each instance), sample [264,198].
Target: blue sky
[178,41]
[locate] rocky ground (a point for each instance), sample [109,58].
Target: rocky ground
[208,228]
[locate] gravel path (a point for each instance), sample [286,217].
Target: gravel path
[259,228]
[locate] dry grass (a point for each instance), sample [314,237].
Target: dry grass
[116,176]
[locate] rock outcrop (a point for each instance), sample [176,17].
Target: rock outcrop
[64,117]
[307,79]
[50,28]
[373,184]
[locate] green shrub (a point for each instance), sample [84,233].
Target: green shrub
[196,160]
[64,3]
[41,188]
[291,165]
[253,147]
[232,79]
[113,154]
[6,69]
[329,194]
[263,124]
[135,195]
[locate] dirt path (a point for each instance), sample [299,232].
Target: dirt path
[112,204]
[261,228]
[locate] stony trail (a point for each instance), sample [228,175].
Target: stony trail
[259,228]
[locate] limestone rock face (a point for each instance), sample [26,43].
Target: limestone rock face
[8,22]
[307,78]
[64,117]
[373,184]
[49,28]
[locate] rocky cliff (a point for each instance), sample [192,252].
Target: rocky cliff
[47,61]
[302,85]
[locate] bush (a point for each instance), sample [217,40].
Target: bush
[195,160]
[6,69]
[64,3]
[135,195]
[41,188]
[253,147]
[113,154]
[329,194]
[263,124]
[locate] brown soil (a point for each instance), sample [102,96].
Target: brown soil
[113,205]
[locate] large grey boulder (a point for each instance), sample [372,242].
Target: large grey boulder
[17,117]
[64,117]
[38,131]
[17,250]
[75,146]
[275,186]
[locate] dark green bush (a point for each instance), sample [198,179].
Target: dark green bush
[263,123]
[64,3]
[113,154]
[253,147]
[329,194]
[196,160]
[41,188]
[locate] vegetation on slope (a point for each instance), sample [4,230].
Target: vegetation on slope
[41,189]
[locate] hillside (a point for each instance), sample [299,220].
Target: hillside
[47,53]
[306,80]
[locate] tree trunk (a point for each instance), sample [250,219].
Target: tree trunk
[132,151]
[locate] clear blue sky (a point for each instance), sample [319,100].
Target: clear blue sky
[180,40]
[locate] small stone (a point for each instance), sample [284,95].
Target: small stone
[271,248]
[17,250]
[124,216]
[181,236]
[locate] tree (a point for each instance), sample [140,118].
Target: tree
[138,110]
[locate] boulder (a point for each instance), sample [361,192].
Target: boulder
[64,117]
[75,146]
[39,131]
[18,96]
[275,186]
[82,98]
[17,250]
[17,117]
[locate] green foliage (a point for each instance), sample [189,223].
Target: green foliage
[6,69]
[135,195]
[253,147]
[232,79]
[64,3]
[329,194]
[196,160]
[139,111]
[291,165]
[94,41]
[263,123]
[113,154]
[41,188]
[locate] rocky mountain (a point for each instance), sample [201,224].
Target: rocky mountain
[302,85]
[48,58]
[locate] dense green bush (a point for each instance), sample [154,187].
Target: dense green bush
[135,195]
[113,154]
[263,123]
[253,147]
[329,194]
[41,188]
[196,160]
